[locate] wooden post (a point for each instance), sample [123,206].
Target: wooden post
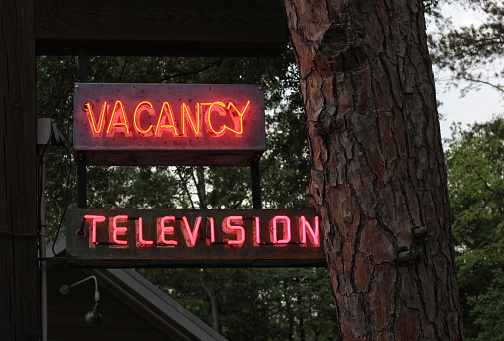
[255,175]
[18,204]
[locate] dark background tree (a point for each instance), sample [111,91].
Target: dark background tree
[472,56]
[472,53]
[476,184]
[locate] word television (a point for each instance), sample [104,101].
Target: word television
[193,237]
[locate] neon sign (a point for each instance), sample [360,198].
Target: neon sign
[195,237]
[115,124]
[230,225]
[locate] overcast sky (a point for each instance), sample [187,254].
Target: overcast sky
[476,106]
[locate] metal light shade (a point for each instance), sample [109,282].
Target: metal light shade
[94,318]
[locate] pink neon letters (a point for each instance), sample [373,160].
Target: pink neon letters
[190,236]
[140,239]
[163,230]
[94,219]
[236,231]
[148,121]
[118,230]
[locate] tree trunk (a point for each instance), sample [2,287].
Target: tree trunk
[208,282]
[378,172]
[210,286]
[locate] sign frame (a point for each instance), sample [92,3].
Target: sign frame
[193,245]
[130,124]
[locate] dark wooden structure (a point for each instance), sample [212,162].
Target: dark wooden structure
[161,28]
[113,27]
[132,308]
[18,199]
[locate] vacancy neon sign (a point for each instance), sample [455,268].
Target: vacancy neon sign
[116,124]
[221,237]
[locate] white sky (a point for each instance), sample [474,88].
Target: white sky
[476,106]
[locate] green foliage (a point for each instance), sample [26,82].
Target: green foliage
[257,304]
[476,167]
[230,188]
[481,281]
[54,100]
[286,162]
[476,186]
[431,6]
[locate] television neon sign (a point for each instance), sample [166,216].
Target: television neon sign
[151,124]
[194,237]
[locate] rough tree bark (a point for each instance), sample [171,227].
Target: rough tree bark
[378,174]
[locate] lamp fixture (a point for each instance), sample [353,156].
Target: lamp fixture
[93,317]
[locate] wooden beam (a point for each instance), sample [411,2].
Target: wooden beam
[224,28]
[18,200]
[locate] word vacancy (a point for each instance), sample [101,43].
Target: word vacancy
[168,124]
[212,118]
[139,113]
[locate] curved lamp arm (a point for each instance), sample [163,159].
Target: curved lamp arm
[93,318]
[65,289]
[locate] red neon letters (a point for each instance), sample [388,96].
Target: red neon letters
[139,230]
[169,230]
[163,230]
[286,229]
[115,231]
[215,119]
[94,219]
[190,236]
[234,229]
